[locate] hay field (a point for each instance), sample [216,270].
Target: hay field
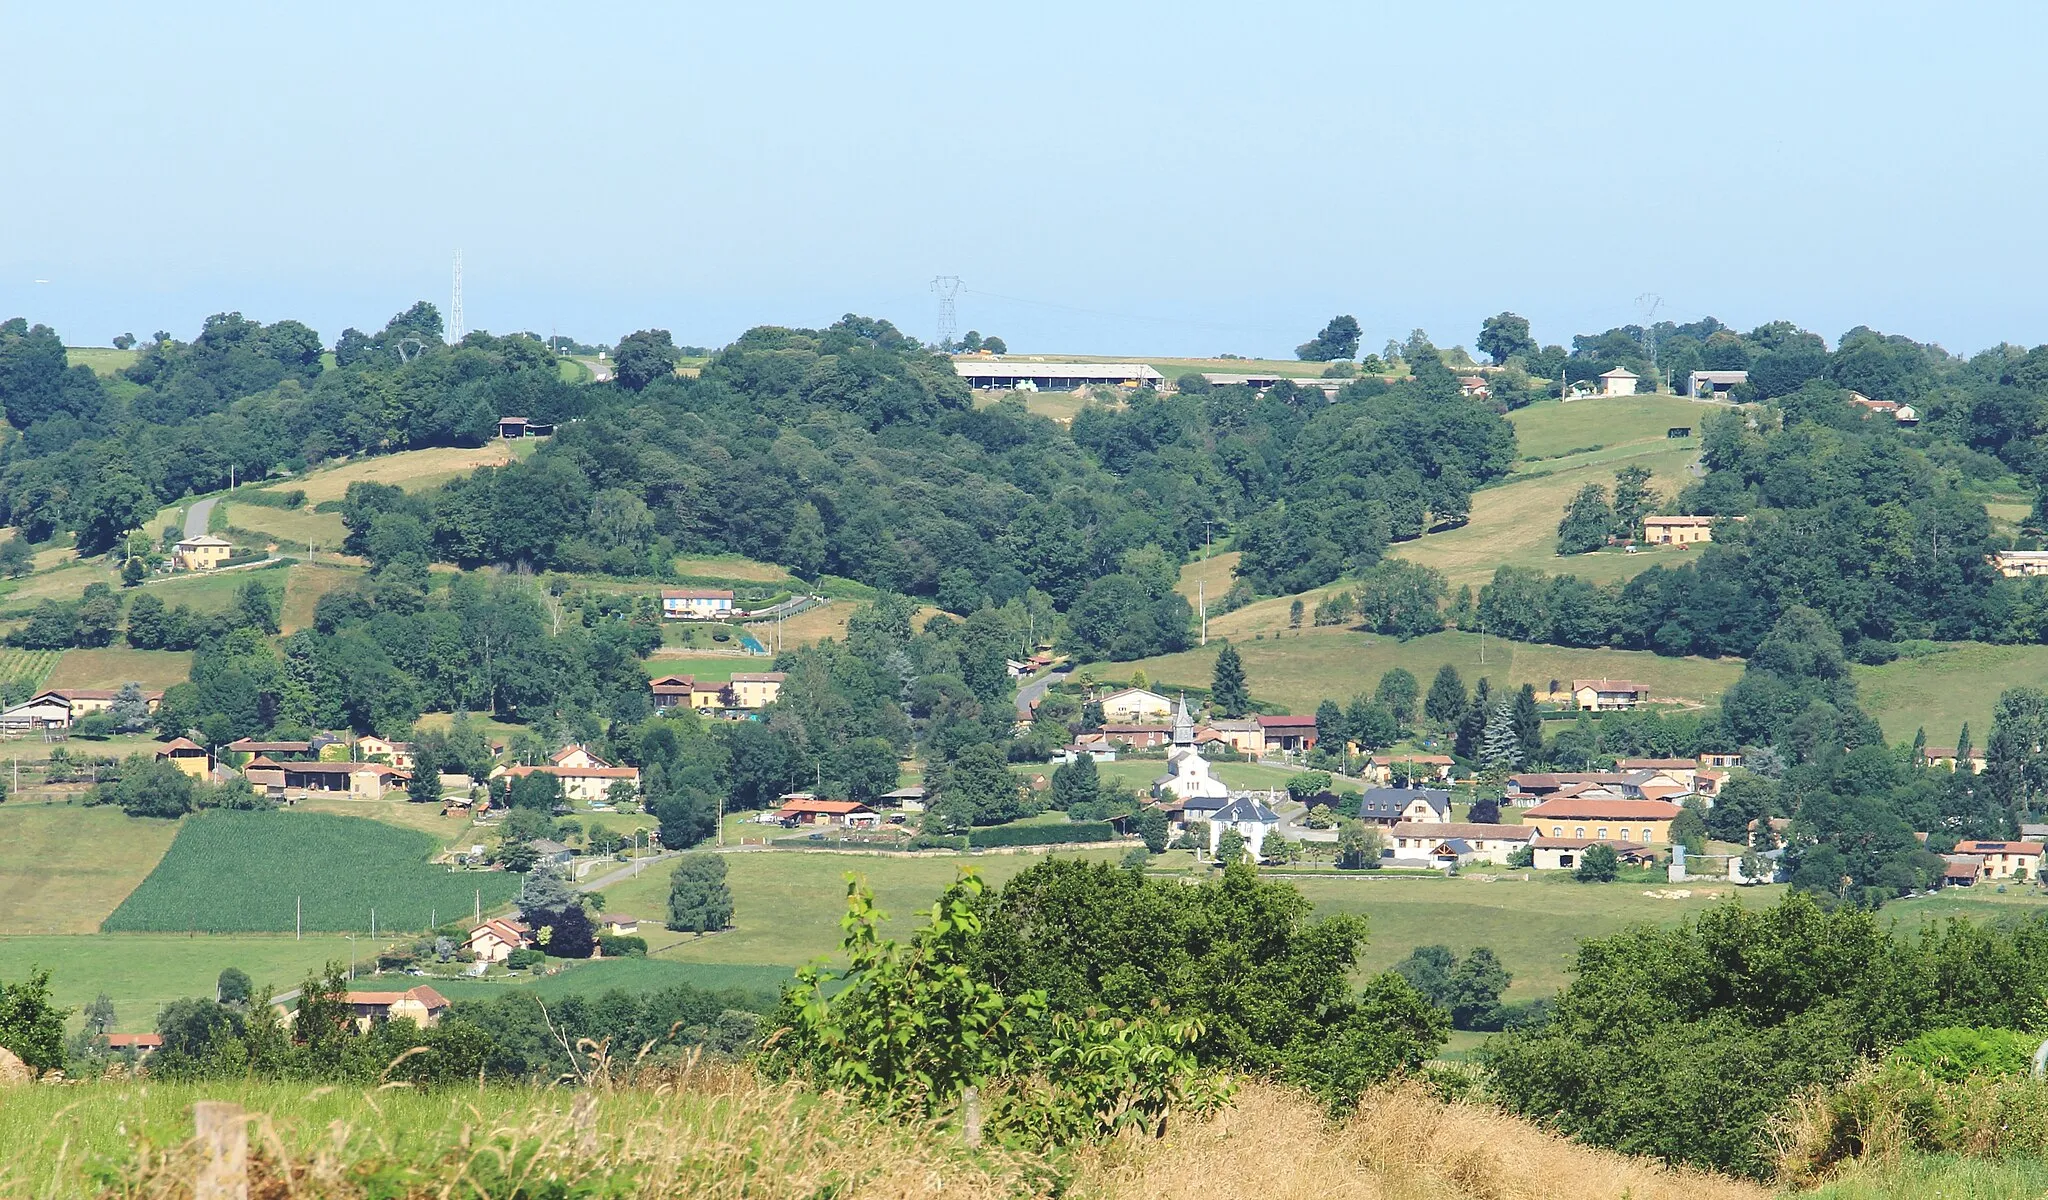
[413,470]
[113,666]
[64,868]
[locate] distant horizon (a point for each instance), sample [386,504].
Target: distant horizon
[1105,179]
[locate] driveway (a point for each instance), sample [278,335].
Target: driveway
[197,516]
[1030,693]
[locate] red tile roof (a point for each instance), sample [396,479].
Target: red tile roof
[1574,809]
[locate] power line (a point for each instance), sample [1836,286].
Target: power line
[948,288]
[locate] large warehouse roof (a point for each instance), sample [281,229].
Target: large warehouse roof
[996,368]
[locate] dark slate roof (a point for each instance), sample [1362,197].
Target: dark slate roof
[1387,803]
[1244,808]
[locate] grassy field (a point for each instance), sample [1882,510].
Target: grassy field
[142,972]
[113,666]
[104,360]
[1212,577]
[233,872]
[413,470]
[731,566]
[63,868]
[715,668]
[294,528]
[625,974]
[1304,667]
[304,584]
[1941,691]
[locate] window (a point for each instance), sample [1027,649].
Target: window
[1646,835]
[1624,834]
[1557,831]
[1579,831]
[1603,833]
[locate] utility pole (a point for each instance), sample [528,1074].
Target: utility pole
[479,906]
[1202,603]
[298,918]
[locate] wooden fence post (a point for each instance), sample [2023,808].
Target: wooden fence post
[583,1115]
[223,1135]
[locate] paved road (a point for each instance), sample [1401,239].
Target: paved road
[1029,694]
[625,871]
[197,516]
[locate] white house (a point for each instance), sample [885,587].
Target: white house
[1619,382]
[1449,843]
[1389,806]
[1135,706]
[696,604]
[1252,820]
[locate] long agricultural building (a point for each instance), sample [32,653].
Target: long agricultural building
[1001,374]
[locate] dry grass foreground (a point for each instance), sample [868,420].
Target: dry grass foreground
[719,1133]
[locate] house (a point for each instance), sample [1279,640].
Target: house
[85,701]
[909,799]
[202,553]
[696,604]
[1619,382]
[1135,706]
[753,690]
[364,781]
[1181,813]
[1543,784]
[1607,695]
[370,747]
[801,808]
[139,1045]
[186,755]
[39,714]
[1903,414]
[511,428]
[2014,564]
[1287,735]
[1713,383]
[1187,775]
[1138,737]
[1473,385]
[1563,853]
[265,774]
[255,749]
[422,1005]
[1093,745]
[1240,734]
[1945,757]
[997,374]
[1961,870]
[1448,843]
[1252,820]
[1390,806]
[548,850]
[1724,760]
[684,691]
[1677,531]
[1433,768]
[495,940]
[588,783]
[1675,770]
[618,924]
[1624,822]
[2005,860]
[1707,782]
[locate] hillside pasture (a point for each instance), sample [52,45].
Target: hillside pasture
[294,528]
[64,868]
[240,872]
[304,584]
[105,361]
[591,979]
[1304,667]
[1939,692]
[730,566]
[113,666]
[1547,428]
[142,972]
[413,470]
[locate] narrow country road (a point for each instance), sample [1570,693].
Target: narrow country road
[1030,693]
[197,516]
[624,872]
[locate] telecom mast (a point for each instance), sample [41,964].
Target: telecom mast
[455,329]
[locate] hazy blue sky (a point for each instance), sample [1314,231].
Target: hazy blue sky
[1199,177]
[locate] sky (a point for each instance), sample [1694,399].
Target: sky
[1108,178]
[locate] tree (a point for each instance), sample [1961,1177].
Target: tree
[1228,694]
[1230,847]
[1338,340]
[994,345]
[978,789]
[1447,701]
[1485,811]
[546,890]
[1294,614]
[1599,864]
[643,357]
[1475,989]
[99,1016]
[233,987]
[1634,499]
[130,709]
[1528,723]
[1359,845]
[1330,727]
[133,572]
[699,899]
[1689,829]
[16,557]
[425,785]
[1500,746]
[1588,521]
[1304,786]
[30,1025]
[1398,690]
[255,607]
[1504,335]
[1150,825]
[1076,784]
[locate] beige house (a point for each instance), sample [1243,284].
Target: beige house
[1622,822]
[2015,564]
[2005,860]
[1945,756]
[362,781]
[1563,853]
[421,1005]
[696,604]
[1443,843]
[1430,768]
[1135,706]
[1607,695]
[202,553]
[1241,734]
[186,755]
[588,783]
[1619,382]
[496,939]
[1677,531]
[370,747]
[684,691]
[756,689]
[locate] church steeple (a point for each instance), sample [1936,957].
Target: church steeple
[1183,724]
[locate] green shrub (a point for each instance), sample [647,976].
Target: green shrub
[938,841]
[519,960]
[1953,1054]
[263,498]
[622,946]
[1044,835]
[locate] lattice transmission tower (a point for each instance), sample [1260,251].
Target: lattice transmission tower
[455,329]
[948,289]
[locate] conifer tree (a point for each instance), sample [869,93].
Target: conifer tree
[1227,692]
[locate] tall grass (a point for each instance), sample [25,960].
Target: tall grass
[719,1132]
